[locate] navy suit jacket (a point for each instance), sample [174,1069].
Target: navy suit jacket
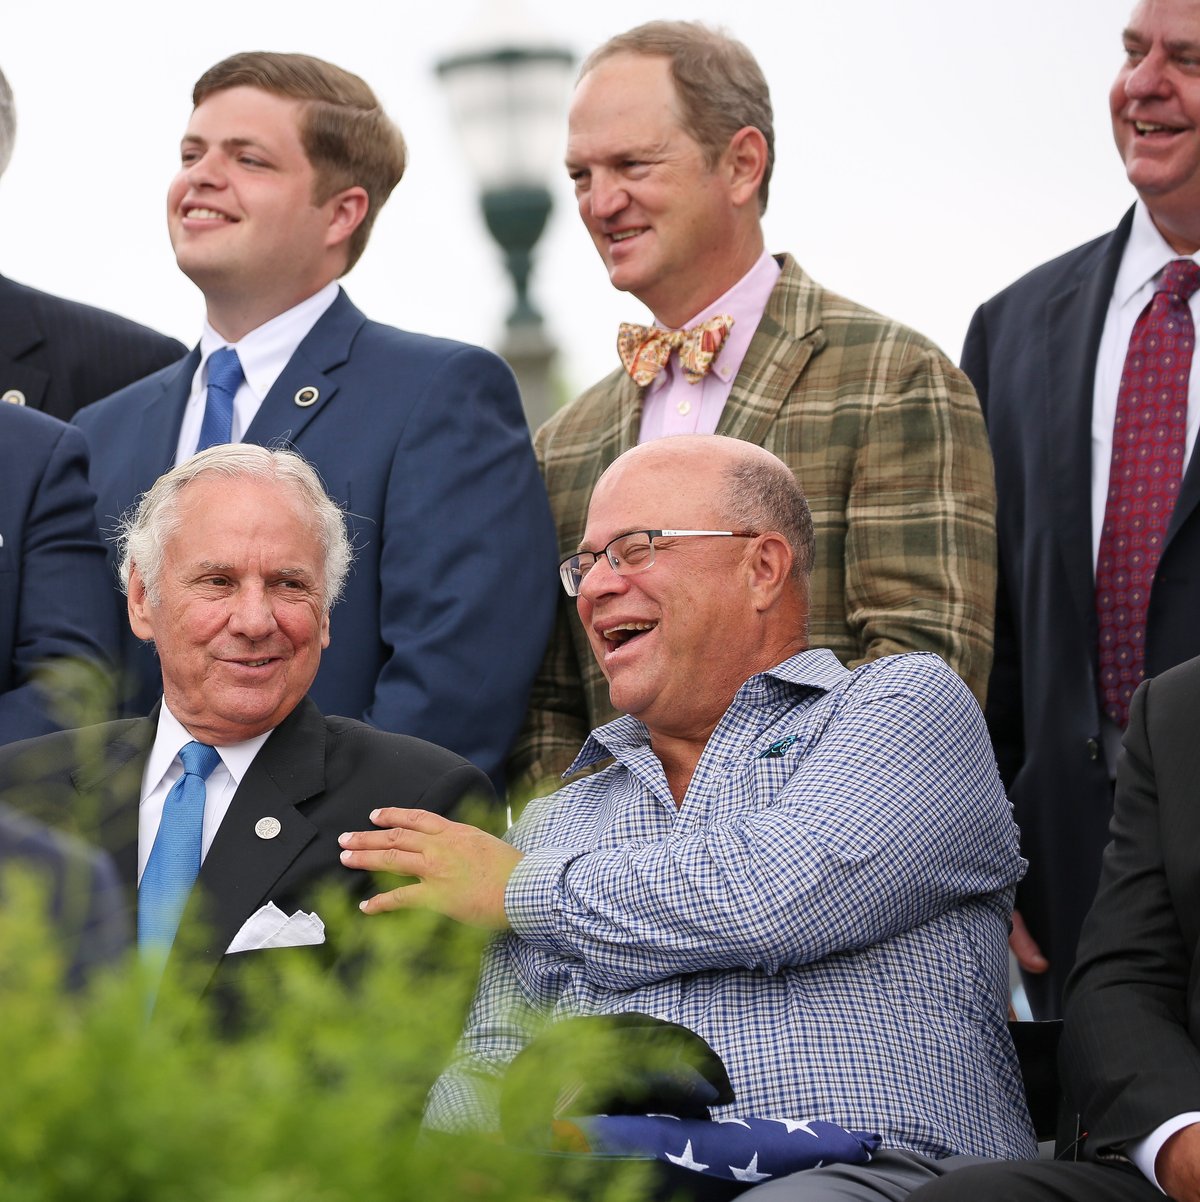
[60,355]
[55,588]
[1031,354]
[316,776]
[424,444]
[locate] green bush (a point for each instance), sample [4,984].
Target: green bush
[317,1099]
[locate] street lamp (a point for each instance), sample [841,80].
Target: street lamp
[508,103]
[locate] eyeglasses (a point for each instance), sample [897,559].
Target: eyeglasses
[630,553]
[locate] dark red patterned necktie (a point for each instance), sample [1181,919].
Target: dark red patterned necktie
[1143,481]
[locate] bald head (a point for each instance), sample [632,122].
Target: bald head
[749,488]
[681,618]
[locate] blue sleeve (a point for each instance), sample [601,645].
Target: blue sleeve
[56,610]
[467,567]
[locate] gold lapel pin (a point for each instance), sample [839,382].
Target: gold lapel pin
[14,396]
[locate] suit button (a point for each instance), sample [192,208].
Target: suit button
[1093,749]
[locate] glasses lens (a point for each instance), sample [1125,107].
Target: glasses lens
[572,571]
[632,553]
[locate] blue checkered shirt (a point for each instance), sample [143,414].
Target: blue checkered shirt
[828,907]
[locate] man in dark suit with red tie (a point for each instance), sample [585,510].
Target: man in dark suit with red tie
[1099,560]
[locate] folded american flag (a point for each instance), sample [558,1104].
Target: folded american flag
[737,1149]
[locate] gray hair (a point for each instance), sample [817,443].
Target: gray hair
[718,82]
[764,495]
[8,123]
[144,532]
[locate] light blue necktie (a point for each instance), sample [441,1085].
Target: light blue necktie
[175,857]
[224,378]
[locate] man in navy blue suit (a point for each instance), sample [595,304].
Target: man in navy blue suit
[1047,356]
[57,624]
[285,163]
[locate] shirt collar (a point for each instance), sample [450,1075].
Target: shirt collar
[265,351]
[745,302]
[172,736]
[1146,253]
[814,670]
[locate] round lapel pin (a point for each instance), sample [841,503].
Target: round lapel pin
[267,828]
[14,396]
[306,396]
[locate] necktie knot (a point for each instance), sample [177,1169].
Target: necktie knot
[224,379]
[1180,278]
[645,350]
[199,759]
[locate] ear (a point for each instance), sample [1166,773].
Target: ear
[346,209]
[138,605]
[325,630]
[769,563]
[745,161]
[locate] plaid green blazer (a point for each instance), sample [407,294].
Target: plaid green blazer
[886,438]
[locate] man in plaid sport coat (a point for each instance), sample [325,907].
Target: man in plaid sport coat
[671,146]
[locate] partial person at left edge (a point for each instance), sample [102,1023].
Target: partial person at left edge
[284,164]
[57,355]
[57,625]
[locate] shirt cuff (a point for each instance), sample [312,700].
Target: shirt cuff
[1144,1152]
[531,895]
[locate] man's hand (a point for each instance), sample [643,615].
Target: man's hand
[1024,946]
[1177,1165]
[461,871]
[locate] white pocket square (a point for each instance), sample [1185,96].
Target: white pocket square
[271,927]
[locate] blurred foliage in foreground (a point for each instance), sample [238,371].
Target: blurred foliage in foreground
[318,1099]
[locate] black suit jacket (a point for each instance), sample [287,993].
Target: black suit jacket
[317,776]
[61,355]
[1130,1050]
[1031,354]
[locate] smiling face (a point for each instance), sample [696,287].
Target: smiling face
[1155,107]
[671,230]
[241,212]
[676,641]
[239,625]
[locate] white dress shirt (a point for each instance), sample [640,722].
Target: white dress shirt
[263,354]
[164,768]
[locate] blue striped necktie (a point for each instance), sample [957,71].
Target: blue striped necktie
[224,378]
[175,857]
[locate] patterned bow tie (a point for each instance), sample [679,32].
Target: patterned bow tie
[645,349]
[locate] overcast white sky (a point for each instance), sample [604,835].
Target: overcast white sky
[929,151]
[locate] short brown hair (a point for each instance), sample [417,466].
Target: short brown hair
[721,87]
[348,138]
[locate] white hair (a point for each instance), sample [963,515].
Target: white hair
[8,123]
[143,533]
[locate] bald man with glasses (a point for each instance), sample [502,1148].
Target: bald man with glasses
[778,839]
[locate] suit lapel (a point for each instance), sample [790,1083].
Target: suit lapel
[242,868]
[159,422]
[1074,321]
[304,387]
[787,337]
[19,334]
